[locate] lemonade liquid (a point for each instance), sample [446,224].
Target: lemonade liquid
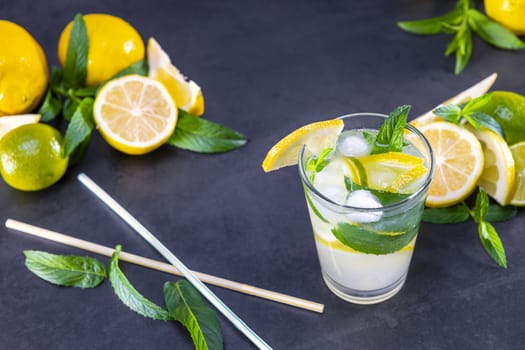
[365,211]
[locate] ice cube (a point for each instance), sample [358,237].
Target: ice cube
[363,199]
[353,144]
[331,180]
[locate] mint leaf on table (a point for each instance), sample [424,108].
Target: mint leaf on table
[470,113]
[129,295]
[51,107]
[492,32]
[200,135]
[80,127]
[66,270]
[497,213]
[186,305]
[434,25]
[390,135]
[492,243]
[75,67]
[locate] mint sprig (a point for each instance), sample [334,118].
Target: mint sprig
[462,22]
[184,303]
[483,213]
[470,113]
[390,135]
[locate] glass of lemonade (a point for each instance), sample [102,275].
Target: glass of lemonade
[366,208]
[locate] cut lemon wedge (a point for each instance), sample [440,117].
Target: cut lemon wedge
[518,153]
[392,171]
[459,163]
[135,114]
[316,136]
[10,122]
[499,173]
[186,93]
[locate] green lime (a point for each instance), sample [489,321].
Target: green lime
[31,157]
[508,108]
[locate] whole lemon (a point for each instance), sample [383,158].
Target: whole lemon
[31,157]
[23,70]
[113,45]
[509,13]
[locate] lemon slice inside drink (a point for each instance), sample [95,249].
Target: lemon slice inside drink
[393,171]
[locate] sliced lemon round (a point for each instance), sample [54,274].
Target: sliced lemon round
[135,114]
[316,136]
[392,171]
[10,122]
[459,163]
[186,93]
[518,153]
[497,178]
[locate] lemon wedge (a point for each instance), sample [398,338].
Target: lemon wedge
[186,93]
[316,136]
[459,163]
[497,178]
[135,114]
[10,122]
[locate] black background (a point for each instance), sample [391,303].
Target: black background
[266,68]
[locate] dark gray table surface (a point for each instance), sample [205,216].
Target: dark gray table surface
[266,67]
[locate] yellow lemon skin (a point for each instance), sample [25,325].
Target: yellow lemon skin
[23,70]
[113,45]
[509,13]
[31,157]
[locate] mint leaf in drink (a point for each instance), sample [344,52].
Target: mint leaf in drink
[317,163]
[390,135]
[448,215]
[384,197]
[200,135]
[492,32]
[75,67]
[66,270]
[80,127]
[492,243]
[371,242]
[129,295]
[186,305]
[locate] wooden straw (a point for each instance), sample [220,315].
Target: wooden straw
[160,266]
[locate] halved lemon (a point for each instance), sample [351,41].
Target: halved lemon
[10,122]
[518,153]
[316,136]
[499,173]
[135,114]
[186,93]
[392,171]
[459,163]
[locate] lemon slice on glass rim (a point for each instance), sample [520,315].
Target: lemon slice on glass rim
[316,136]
